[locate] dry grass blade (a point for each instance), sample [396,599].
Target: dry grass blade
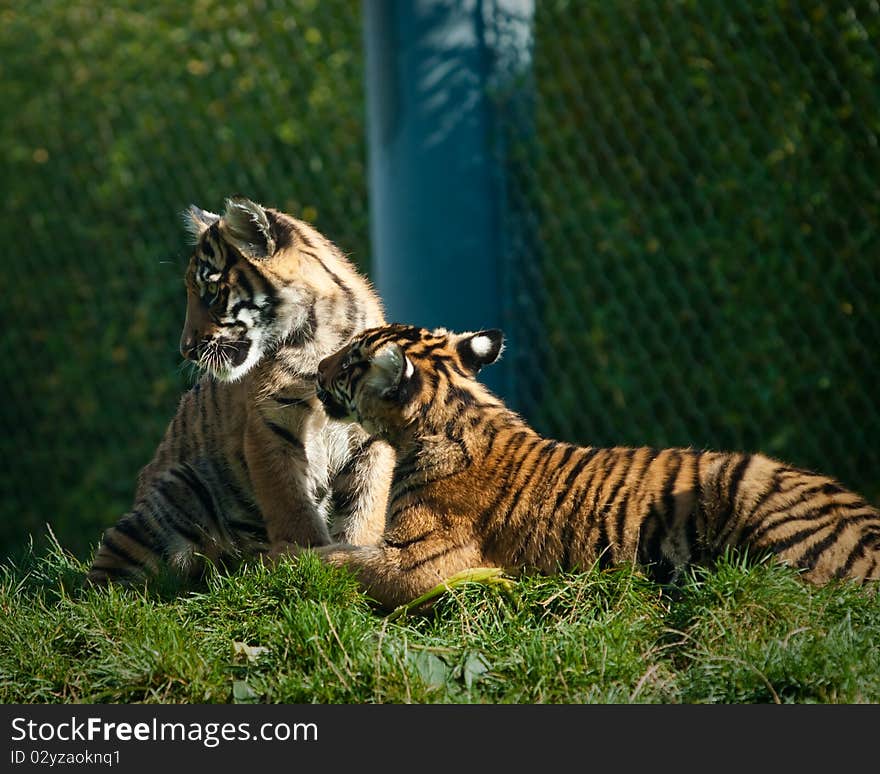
[486,575]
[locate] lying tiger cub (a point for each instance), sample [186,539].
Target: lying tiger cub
[475,486]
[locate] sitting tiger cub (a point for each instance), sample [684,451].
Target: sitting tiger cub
[250,463]
[475,486]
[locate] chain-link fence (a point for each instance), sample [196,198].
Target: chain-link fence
[701,265]
[704,268]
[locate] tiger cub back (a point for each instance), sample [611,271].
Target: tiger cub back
[250,463]
[475,486]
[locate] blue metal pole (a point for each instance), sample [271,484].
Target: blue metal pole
[436,169]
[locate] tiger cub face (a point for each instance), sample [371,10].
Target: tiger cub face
[389,378]
[236,311]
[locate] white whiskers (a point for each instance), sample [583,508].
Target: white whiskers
[216,358]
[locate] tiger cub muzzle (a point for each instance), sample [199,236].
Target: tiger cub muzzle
[231,353]
[327,370]
[332,407]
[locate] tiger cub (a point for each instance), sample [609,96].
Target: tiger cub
[475,486]
[250,462]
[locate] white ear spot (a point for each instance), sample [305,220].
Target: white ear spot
[481,345]
[408,372]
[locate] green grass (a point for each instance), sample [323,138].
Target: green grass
[302,632]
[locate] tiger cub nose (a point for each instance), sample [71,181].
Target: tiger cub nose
[322,370]
[188,346]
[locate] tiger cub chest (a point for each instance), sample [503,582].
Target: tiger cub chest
[301,427]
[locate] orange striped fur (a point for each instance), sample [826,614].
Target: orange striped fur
[475,486]
[250,463]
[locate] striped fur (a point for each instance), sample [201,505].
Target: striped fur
[250,463]
[475,486]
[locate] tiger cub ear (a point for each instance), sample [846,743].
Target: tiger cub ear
[476,350]
[390,368]
[197,221]
[246,225]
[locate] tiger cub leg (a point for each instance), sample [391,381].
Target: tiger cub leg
[360,493]
[280,463]
[394,575]
[176,523]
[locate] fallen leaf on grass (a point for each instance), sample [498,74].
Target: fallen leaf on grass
[249,652]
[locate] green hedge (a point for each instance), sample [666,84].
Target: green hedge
[693,227]
[704,268]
